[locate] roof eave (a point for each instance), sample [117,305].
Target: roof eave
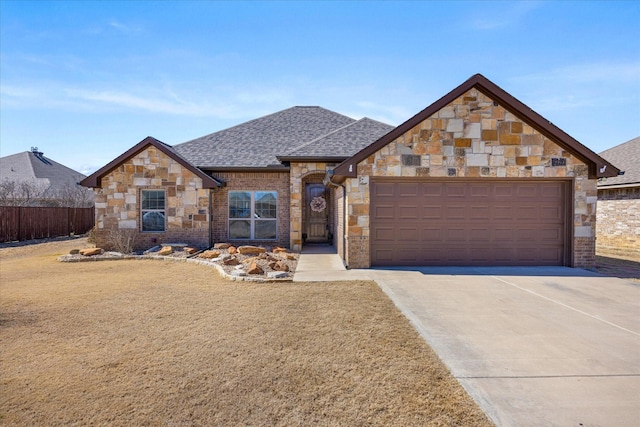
[312,158]
[213,169]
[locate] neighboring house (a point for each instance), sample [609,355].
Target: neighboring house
[477,178]
[618,214]
[31,179]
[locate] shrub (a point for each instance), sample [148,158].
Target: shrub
[122,240]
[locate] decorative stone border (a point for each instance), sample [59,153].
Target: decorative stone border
[110,256]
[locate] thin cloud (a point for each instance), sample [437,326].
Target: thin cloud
[505,15]
[581,86]
[124,28]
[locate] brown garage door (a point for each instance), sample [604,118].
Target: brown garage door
[469,223]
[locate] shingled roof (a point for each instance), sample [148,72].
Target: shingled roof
[341,143]
[258,143]
[33,166]
[626,157]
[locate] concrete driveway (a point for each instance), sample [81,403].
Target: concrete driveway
[533,346]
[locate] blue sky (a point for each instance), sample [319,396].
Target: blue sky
[84,81]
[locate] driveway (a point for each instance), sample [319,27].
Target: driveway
[533,346]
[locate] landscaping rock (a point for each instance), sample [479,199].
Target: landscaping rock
[153,250]
[209,254]
[233,249]
[189,250]
[255,269]
[251,250]
[280,266]
[166,250]
[74,251]
[230,261]
[277,274]
[278,250]
[90,251]
[291,257]
[221,245]
[249,260]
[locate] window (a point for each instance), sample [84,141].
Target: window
[152,212]
[253,215]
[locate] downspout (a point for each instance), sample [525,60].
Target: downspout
[211,217]
[329,182]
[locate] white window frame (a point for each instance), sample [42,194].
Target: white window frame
[143,211]
[252,218]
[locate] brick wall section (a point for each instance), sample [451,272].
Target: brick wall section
[472,137]
[618,224]
[118,201]
[302,172]
[249,181]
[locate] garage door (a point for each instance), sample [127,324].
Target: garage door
[469,223]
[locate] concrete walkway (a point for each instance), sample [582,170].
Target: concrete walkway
[321,263]
[533,346]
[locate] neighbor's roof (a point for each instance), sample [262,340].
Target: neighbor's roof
[258,142]
[626,156]
[33,166]
[341,143]
[598,167]
[94,180]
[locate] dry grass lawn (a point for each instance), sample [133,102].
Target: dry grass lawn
[164,343]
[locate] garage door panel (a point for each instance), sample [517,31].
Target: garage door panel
[383,234]
[408,234]
[384,212]
[469,223]
[383,189]
[455,211]
[431,212]
[408,212]
[551,213]
[431,235]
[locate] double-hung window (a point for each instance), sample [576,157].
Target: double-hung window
[253,215]
[152,210]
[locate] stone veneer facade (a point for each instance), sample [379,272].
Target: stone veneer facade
[472,137]
[117,201]
[618,229]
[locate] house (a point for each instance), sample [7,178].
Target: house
[248,184]
[31,179]
[618,214]
[476,178]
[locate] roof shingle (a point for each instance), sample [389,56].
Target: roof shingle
[626,157]
[258,142]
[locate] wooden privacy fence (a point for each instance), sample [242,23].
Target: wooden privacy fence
[26,223]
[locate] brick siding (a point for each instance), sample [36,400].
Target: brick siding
[249,181]
[618,222]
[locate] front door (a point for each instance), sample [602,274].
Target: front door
[317,213]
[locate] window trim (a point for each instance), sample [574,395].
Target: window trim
[163,211]
[252,217]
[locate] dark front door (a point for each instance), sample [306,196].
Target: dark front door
[317,213]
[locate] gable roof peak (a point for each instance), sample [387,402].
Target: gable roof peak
[94,180]
[598,167]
